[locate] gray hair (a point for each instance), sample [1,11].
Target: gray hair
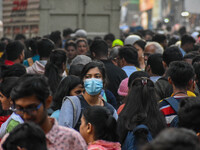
[158,48]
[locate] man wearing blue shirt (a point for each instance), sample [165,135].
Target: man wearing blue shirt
[187,44]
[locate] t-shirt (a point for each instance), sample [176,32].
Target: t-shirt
[166,109]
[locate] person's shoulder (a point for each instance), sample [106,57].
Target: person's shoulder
[110,107]
[68,132]
[163,103]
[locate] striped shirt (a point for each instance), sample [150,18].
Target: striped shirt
[168,112]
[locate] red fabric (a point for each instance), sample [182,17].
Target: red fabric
[104,145]
[8,62]
[3,119]
[121,107]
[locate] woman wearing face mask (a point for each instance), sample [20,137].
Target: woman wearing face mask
[93,76]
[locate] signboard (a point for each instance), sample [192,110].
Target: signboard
[19,15]
[146,5]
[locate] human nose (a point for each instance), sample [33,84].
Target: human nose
[25,116]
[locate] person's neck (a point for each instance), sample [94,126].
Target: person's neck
[46,125]
[91,100]
[17,61]
[180,92]
[142,64]
[183,47]
[90,139]
[129,65]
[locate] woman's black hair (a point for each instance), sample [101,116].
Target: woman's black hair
[54,68]
[105,125]
[70,43]
[76,69]
[28,136]
[16,70]
[63,89]
[31,45]
[92,65]
[6,85]
[141,108]
[137,74]
[141,43]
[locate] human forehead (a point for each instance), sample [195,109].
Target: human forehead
[94,71]
[150,49]
[81,43]
[71,47]
[26,101]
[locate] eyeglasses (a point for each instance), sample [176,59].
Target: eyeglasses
[147,54]
[22,110]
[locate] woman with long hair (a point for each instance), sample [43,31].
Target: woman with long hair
[93,76]
[99,132]
[140,46]
[69,86]
[55,68]
[140,108]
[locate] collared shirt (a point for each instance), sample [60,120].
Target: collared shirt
[63,138]
[60,138]
[130,69]
[182,51]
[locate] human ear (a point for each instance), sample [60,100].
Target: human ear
[170,80]
[89,128]
[164,64]
[48,101]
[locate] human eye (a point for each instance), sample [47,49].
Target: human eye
[78,92]
[87,76]
[98,76]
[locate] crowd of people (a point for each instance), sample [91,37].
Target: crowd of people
[65,92]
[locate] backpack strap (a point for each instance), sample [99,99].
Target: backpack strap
[173,103]
[76,107]
[141,126]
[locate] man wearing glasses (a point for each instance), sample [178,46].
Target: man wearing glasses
[31,98]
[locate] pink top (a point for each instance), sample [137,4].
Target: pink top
[104,145]
[63,138]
